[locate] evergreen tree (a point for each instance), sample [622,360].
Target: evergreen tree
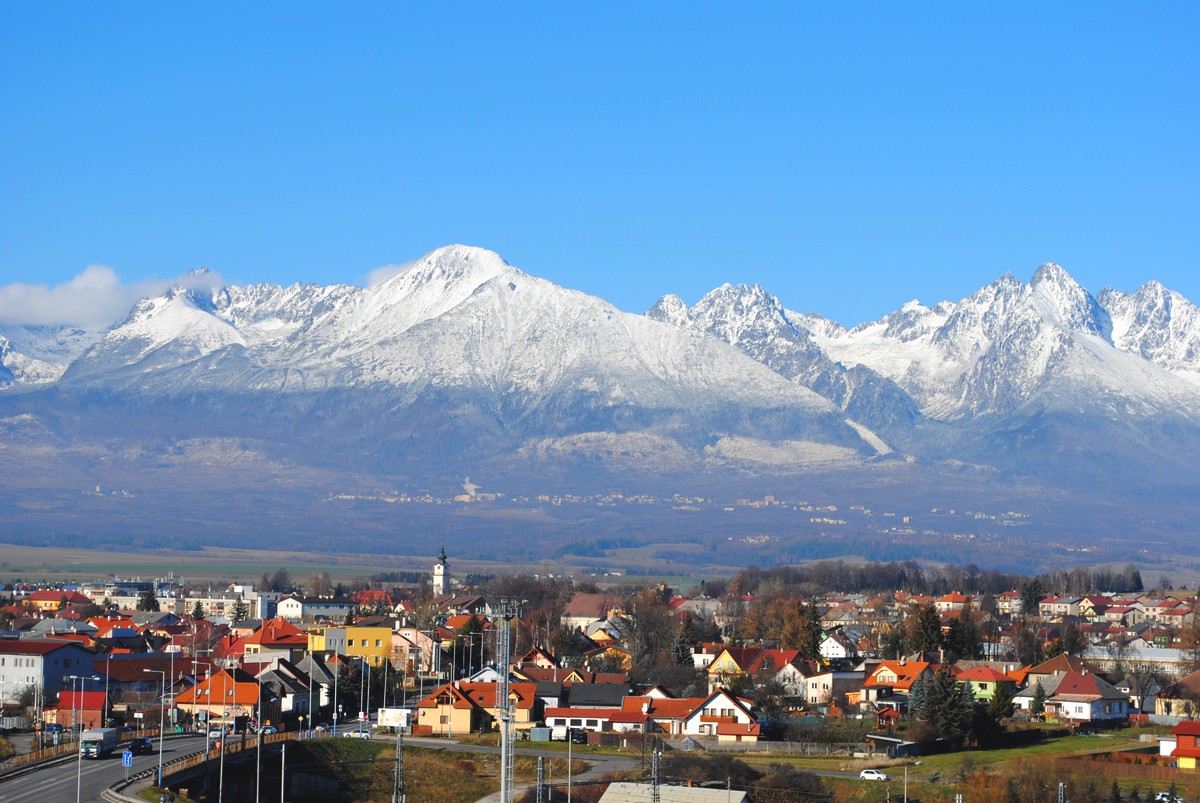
[1001,705]
[240,611]
[893,644]
[924,628]
[916,697]
[197,611]
[1031,596]
[949,707]
[964,640]
[685,640]
[148,602]
[1037,705]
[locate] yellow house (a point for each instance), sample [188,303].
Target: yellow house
[372,644]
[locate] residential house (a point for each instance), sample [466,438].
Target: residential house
[1087,697]
[786,667]
[373,645]
[87,709]
[274,639]
[50,600]
[584,609]
[42,663]
[832,688]
[953,601]
[223,696]
[889,683]
[729,665]
[1180,699]
[296,608]
[986,682]
[462,707]
[1186,751]
[836,646]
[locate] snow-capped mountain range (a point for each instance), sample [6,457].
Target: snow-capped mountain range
[462,356]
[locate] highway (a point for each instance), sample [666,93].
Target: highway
[57,783]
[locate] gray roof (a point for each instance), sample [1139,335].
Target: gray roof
[624,792]
[596,695]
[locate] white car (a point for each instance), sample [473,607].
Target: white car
[873,775]
[357,734]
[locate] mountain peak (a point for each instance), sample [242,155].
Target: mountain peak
[1065,300]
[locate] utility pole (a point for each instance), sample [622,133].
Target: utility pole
[398,795]
[655,794]
[541,783]
[507,609]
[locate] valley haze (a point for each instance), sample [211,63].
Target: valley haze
[1029,424]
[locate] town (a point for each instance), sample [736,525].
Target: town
[964,661]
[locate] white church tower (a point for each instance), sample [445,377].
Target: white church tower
[441,577]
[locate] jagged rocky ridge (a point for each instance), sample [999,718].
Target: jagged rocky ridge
[462,358]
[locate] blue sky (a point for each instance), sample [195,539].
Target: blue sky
[847,157]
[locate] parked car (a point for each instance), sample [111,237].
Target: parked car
[1167,797]
[268,729]
[54,727]
[873,775]
[216,733]
[140,745]
[358,734]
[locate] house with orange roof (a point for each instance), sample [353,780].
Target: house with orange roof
[274,638]
[224,695]
[50,600]
[1186,751]
[986,682]
[889,683]
[463,707]
[370,599]
[953,601]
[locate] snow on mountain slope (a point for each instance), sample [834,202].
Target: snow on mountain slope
[757,324]
[526,352]
[1002,346]
[34,355]
[1157,324]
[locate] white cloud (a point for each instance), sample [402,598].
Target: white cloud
[385,272]
[95,297]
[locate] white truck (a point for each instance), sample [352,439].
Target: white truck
[98,742]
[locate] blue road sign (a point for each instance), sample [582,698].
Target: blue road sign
[127,759]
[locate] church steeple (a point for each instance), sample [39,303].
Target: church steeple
[441,575]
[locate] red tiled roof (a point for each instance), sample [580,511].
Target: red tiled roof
[1189,727]
[32,646]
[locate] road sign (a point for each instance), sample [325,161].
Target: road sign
[127,759]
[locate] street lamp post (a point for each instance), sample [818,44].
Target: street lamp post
[74,722]
[162,693]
